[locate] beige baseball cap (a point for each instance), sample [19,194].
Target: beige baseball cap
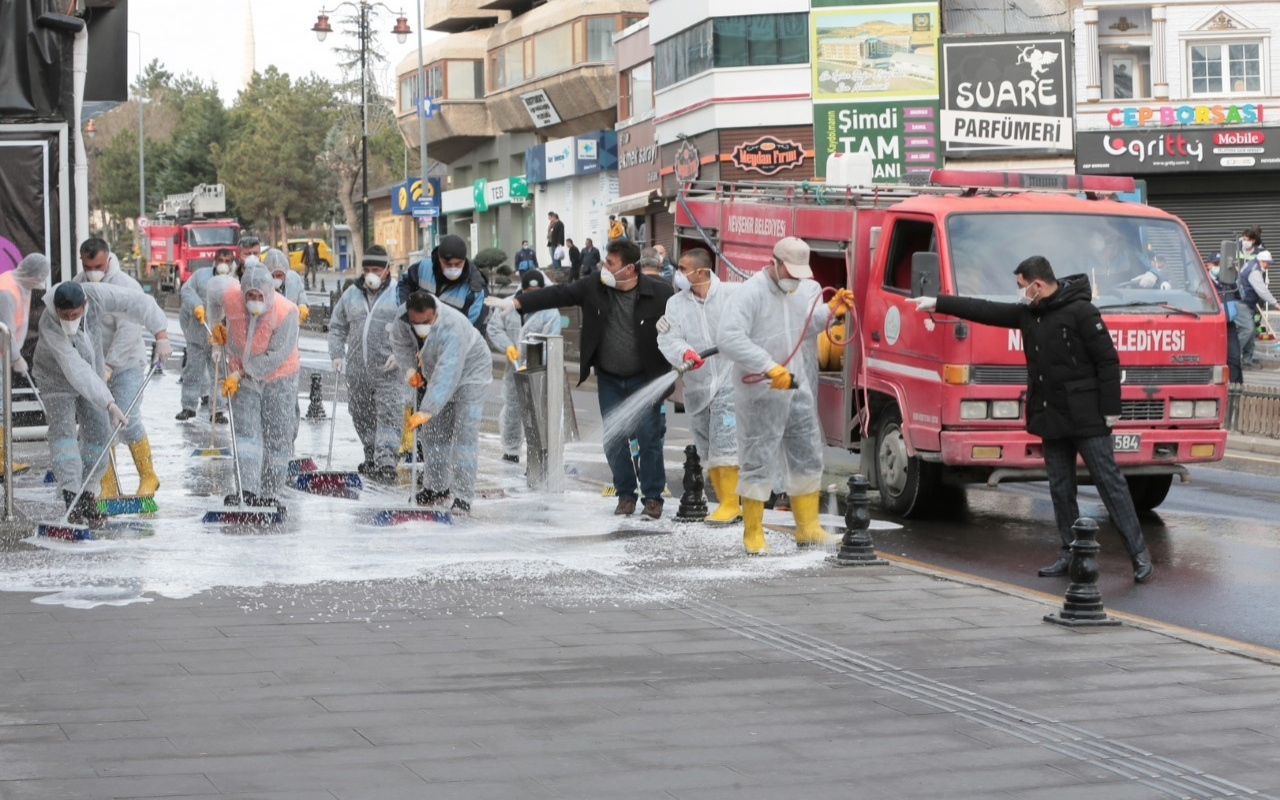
[794,255]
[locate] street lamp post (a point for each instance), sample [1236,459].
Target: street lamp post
[427,232]
[142,164]
[322,28]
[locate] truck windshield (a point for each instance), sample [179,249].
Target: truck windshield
[211,236]
[1130,261]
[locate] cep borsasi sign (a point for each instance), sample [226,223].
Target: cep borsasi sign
[1007,95]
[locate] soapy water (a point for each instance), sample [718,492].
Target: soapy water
[513,532]
[621,422]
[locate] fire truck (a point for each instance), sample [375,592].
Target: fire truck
[187,233]
[929,400]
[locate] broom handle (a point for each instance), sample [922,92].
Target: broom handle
[213,391]
[413,470]
[235,451]
[66,518]
[333,421]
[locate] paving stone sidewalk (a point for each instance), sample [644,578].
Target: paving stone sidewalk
[871,682]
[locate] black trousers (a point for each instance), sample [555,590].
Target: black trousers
[1099,456]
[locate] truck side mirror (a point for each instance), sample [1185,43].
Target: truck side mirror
[926,275]
[1228,269]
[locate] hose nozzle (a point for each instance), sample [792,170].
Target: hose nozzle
[688,365]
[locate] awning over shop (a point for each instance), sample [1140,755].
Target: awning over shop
[633,203]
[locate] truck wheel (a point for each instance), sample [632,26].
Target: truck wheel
[1148,491]
[904,480]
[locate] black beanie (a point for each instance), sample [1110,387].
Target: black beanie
[532,277]
[452,246]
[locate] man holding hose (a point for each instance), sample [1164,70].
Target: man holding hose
[769,331]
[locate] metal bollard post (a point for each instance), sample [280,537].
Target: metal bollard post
[856,548]
[1083,604]
[315,411]
[693,503]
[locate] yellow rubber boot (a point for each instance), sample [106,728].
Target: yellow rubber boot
[18,466]
[725,479]
[148,481]
[110,488]
[753,534]
[804,507]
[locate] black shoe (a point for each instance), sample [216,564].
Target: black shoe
[185,414]
[85,511]
[430,497]
[366,468]
[385,475]
[219,418]
[1142,567]
[204,401]
[461,506]
[1058,568]
[233,499]
[510,459]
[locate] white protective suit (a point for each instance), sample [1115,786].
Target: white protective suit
[264,350]
[760,326]
[15,298]
[360,332]
[692,324]
[507,329]
[123,349]
[70,372]
[197,372]
[293,290]
[456,363]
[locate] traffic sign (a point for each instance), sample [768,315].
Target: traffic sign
[142,223]
[427,107]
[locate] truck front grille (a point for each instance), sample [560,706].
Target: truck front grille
[1150,410]
[1196,375]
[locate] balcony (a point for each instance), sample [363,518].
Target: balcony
[455,82]
[459,16]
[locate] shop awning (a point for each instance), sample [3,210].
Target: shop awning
[633,203]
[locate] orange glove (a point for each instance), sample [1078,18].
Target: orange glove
[513,354]
[842,302]
[417,420]
[415,379]
[231,385]
[218,335]
[303,313]
[199,314]
[779,377]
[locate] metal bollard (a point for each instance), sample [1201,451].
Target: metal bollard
[693,503]
[856,548]
[1083,604]
[315,411]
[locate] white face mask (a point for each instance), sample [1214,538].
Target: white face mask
[1026,300]
[1246,246]
[94,275]
[422,330]
[453,273]
[682,282]
[789,285]
[372,281]
[70,326]
[256,307]
[279,282]
[221,268]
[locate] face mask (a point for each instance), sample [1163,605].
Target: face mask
[1214,273]
[70,326]
[789,285]
[372,281]
[1246,246]
[94,275]
[608,278]
[682,282]
[279,282]
[1023,299]
[256,307]
[422,330]
[453,273]
[222,268]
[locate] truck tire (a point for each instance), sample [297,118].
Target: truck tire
[905,481]
[1148,491]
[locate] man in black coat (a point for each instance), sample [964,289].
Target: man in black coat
[575,261]
[620,313]
[590,258]
[1073,394]
[555,233]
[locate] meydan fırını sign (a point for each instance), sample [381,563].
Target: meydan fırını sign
[1006,95]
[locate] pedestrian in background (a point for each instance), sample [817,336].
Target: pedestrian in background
[620,312]
[310,263]
[1255,299]
[590,258]
[526,257]
[1230,296]
[575,261]
[555,233]
[1073,394]
[668,270]
[616,229]
[508,332]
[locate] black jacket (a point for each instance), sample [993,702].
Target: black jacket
[591,296]
[1073,371]
[575,257]
[590,260]
[555,233]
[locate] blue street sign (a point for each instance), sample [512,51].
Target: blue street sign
[427,106]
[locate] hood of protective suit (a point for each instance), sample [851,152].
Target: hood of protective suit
[32,272]
[274,259]
[256,277]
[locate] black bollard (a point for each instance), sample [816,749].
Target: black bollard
[693,503]
[1083,605]
[315,411]
[856,548]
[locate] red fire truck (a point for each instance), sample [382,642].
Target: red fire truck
[928,399]
[187,234]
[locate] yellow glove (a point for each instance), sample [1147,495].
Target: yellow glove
[842,302]
[231,385]
[418,419]
[199,314]
[218,335]
[779,377]
[513,354]
[303,313]
[415,378]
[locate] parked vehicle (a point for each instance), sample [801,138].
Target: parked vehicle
[295,254]
[187,233]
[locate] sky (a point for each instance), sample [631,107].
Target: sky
[282,32]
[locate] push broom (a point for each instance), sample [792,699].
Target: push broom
[241,514]
[328,482]
[124,504]
[412,512]
[211,451]
[75,532]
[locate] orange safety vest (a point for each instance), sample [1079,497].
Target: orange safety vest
[238,328]
[10,284]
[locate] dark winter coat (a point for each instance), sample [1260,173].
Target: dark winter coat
[1073,370]
[590,260]
[466,294]
[592,297]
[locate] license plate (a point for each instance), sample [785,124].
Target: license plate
[1126,442]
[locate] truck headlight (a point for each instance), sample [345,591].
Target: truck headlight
[1005,409]
[1181,409]
[1206,409]
[973,409]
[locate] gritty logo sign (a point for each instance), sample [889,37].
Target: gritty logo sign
[1130,341]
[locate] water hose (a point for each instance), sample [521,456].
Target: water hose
[688,365]
[758,377]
